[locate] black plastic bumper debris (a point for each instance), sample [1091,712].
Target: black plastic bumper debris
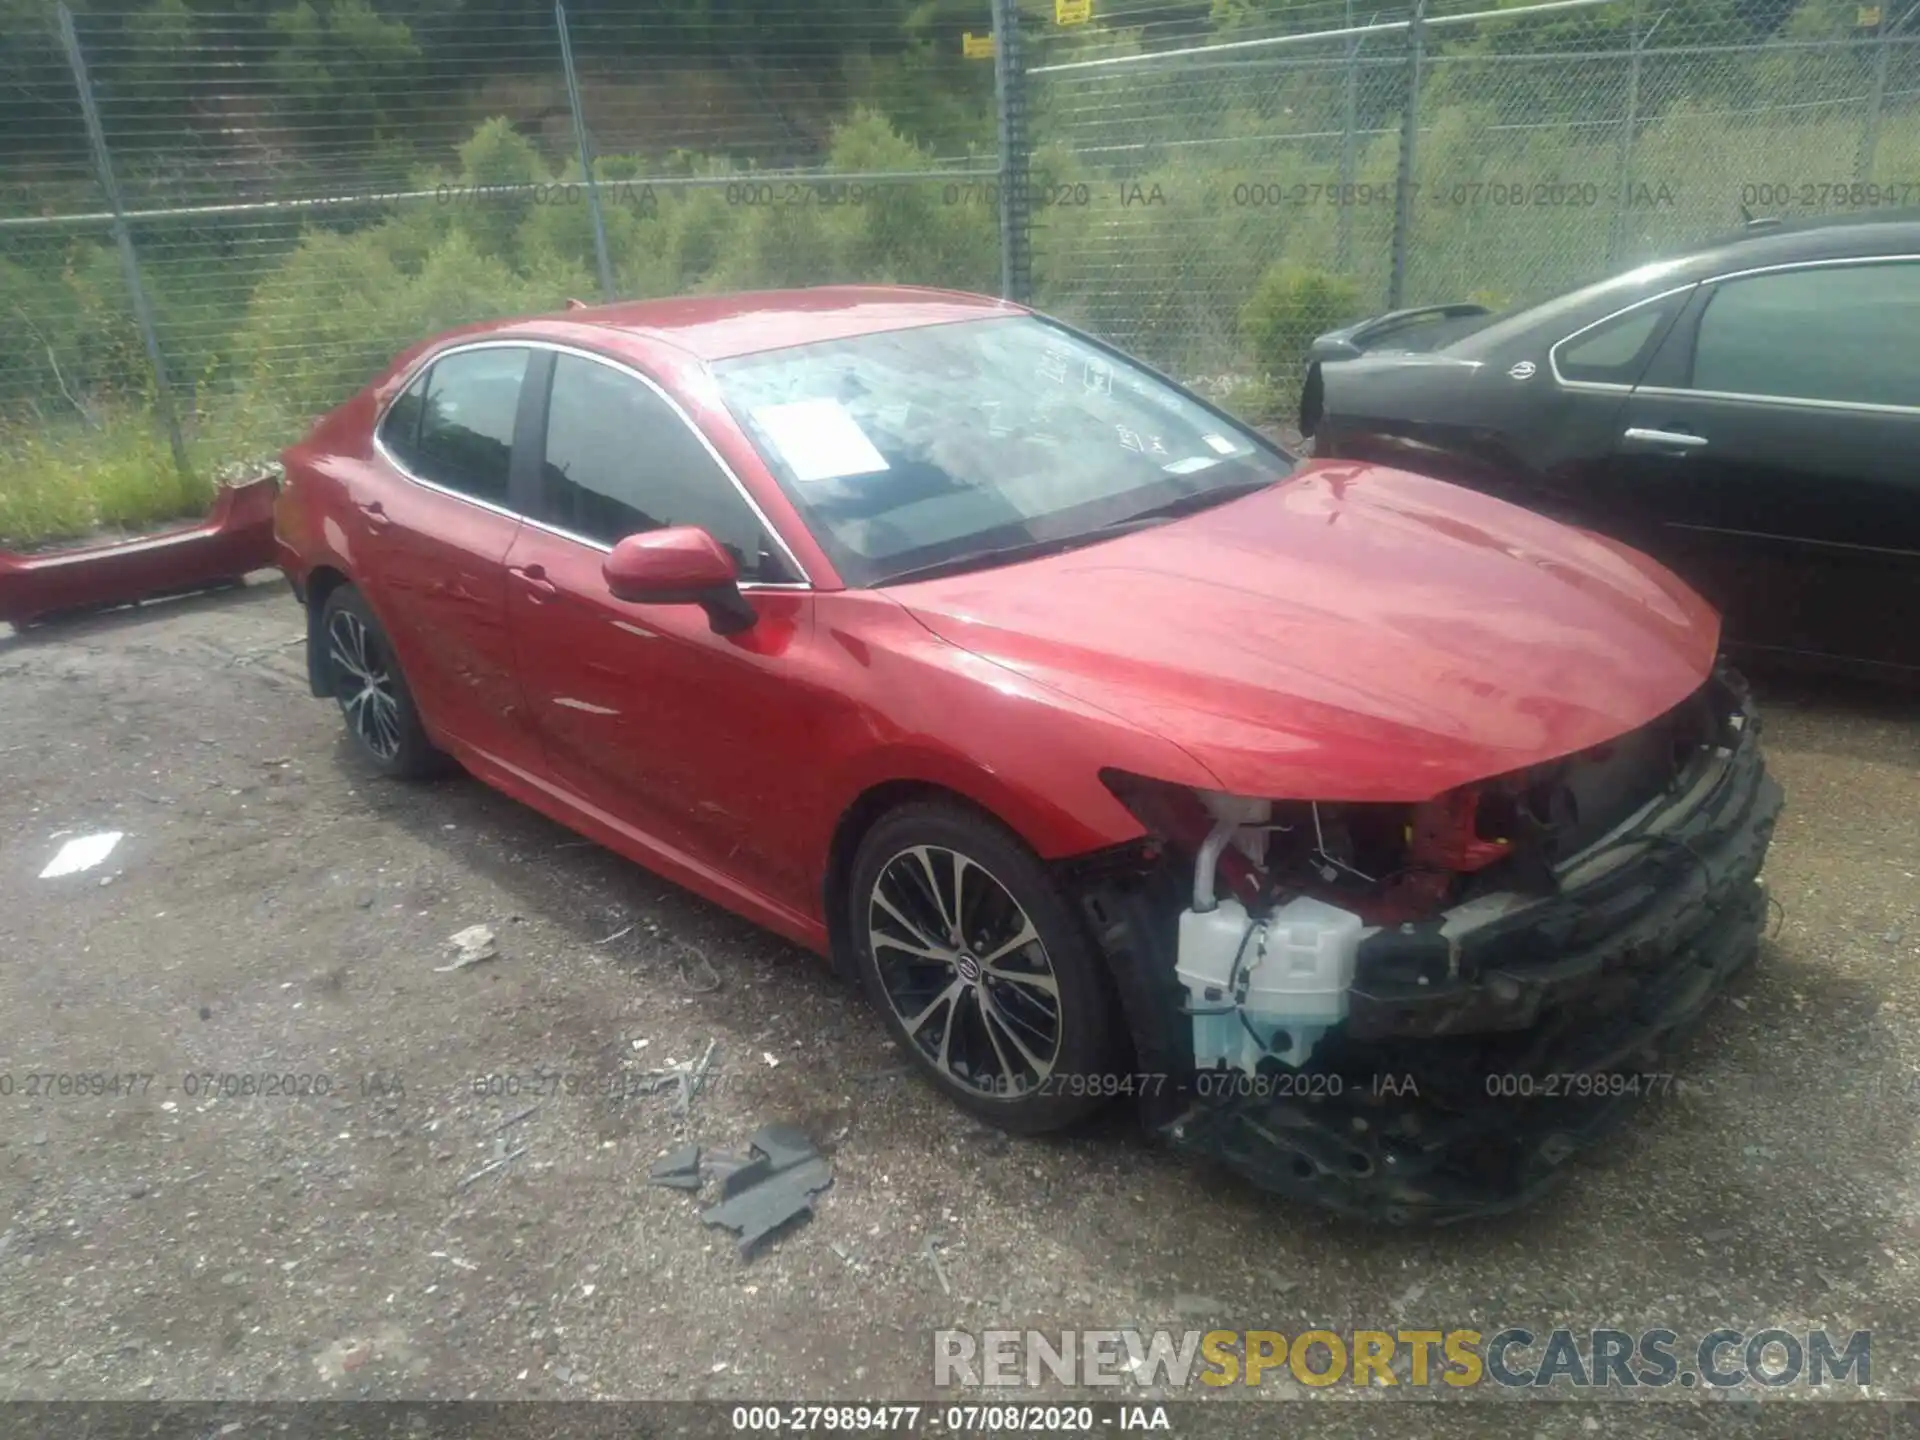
[772,1190]
[678,1171]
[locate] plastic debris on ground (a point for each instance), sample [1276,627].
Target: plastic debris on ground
[679,1170]
[82,854]
[472,946]
[930,1250]
[685,1077]
[773,1189]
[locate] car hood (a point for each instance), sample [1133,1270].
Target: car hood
[1353,633]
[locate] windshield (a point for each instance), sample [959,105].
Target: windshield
[951,443]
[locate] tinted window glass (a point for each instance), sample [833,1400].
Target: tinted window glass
[1617,350]
[619,460]
[400,431]
[1845,332]
[466,427]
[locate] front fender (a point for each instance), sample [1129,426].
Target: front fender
[1066,819]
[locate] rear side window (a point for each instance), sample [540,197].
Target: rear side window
[1849,333]
[1615,351]
[400,431]
[620,460]
[454,426]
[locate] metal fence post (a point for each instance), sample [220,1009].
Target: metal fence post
[1010,94]
[1870,134]
[600,255]
[1403,182]
[1630,122]
[1349,144]
[123,239]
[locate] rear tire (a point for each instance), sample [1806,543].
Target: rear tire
[364,677]
[981,968]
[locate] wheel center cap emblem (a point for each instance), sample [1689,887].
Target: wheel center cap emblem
[969,968]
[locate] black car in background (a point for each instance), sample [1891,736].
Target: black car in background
[1749,414]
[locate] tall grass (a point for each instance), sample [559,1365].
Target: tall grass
[70,479]
[117,472]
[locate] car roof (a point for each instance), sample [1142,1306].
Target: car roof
[1767,241]
[1758,247]
[720,327]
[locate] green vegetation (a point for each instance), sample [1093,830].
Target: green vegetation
[1289,307]
[1169,217]
[69,477]
[257,355]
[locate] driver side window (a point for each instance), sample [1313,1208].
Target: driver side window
[620,460]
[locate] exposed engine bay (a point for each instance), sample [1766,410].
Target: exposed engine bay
[1364,994]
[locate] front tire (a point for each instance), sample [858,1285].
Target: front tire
[983,972]
[363,676]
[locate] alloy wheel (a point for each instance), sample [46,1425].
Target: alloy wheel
[363,681]
[965,972]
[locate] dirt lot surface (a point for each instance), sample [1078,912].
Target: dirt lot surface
[273,911]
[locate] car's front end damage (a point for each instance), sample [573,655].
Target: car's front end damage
[1420,1013]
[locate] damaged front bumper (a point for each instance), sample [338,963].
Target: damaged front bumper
[1484,1049]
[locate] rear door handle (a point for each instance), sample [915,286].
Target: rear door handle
[376,514]
[1679,440]
[533,578]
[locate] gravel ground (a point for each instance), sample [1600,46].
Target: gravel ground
[272,910]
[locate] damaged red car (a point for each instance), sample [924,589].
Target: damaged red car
[1374,837]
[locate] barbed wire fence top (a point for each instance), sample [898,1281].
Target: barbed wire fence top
[308,186]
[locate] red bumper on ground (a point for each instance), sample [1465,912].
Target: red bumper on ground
[235,538]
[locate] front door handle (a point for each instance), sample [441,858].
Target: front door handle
[1680,441]
[376,513]
[533,578]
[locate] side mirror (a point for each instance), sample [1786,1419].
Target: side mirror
[680,565]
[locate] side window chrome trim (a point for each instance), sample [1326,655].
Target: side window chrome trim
[804,583]
[1793,401]
[1605,387]
[438,489]
[413,378]
[1611,387]
[1807,402]
[1825,264]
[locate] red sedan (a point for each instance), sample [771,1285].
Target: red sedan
[1116,750]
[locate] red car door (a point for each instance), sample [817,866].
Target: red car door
[435,538]
[689,739]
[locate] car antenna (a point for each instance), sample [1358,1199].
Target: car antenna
[1750,221]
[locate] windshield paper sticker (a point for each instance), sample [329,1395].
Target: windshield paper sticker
[1192,465]
[1220,444]
[819,440]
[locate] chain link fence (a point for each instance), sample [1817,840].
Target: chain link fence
[307,186]
[1187,198]
[1215,201]
[305,189]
